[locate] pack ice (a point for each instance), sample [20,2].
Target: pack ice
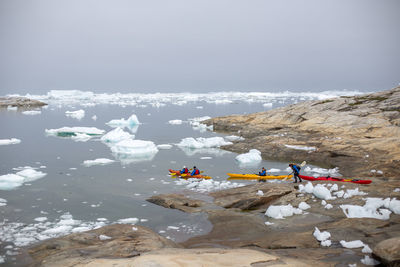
[12,181]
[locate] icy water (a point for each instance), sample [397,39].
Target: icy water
[73,197]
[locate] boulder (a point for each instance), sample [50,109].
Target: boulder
[177,201]
[388,252]
[20,102]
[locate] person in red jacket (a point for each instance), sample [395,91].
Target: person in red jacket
[195,171]
[184,170]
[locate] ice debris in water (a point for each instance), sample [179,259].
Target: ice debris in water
[116,135]
[12,181]
[164,146]
[175,122]
[197,125]
[281,211]
[373,208]
[202,142]
[31,112]
[252,157]
[132,221]
[76,133]
[234,138]
[78,114]
[129,123]
[99,161]
[202,185]
[3,202]
[130,151]
[11,141]
[12,108]
[367,260]
[304,206]
[356,244]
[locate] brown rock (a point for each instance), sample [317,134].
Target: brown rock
[20,102]
[177,201]
[125,242]
[388,251]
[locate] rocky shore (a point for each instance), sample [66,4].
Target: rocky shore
[357,134]
[20,102]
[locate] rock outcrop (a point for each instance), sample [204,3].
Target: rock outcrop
[358,134]
[388,252]
[22,102]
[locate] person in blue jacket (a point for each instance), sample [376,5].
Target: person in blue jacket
[263,172]
[195,171]
[296,171]
[184,170]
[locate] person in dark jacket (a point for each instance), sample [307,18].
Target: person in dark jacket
[195,171]
[296,171]
[263,172]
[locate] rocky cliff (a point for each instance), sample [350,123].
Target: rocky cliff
[357,134]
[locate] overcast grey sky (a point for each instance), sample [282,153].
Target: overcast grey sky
[198,45]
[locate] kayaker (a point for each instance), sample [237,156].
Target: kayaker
[263,172]
[195,171]
[184,170]
[296,171]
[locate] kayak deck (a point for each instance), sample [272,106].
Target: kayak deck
[238,176]
[187,175]
[334,179]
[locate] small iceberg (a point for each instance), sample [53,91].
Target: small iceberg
[116,135]
[100,161]
[13,181]
[76,133]
[132,151]
[78,114]
[11,141]
[32,112]
[175,122]
[202,142]
[131,123]
[253,157]
[164,146]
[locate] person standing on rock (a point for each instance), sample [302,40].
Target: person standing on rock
[296,171]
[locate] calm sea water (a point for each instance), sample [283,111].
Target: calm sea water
[117,190]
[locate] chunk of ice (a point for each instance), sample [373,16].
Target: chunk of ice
[78,114]
[253,157]
[11,141]
[116,135]
[99,161]
[281,211]
[130,151]
[32,112]
[352,244]
[164,146]
[175,122]
[321,236]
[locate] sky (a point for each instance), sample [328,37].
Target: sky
[198,45]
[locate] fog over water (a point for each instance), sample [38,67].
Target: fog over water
[198,46]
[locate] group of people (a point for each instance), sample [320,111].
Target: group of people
[295,168]
[195,171]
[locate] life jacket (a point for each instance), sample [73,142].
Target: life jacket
[296,168]
[263,173]
[196,172]
[185,170]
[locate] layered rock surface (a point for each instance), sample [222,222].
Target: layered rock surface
[358,134]
[20,102]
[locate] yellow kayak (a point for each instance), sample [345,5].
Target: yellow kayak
[238,176]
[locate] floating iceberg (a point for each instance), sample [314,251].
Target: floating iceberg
[76,133]
[116,135]
[3,202]
[198,126]
[131,123]
[78,114]
[202,142]
[12,181]
[100,161]
[175,122]
[131,151]
[32,112]
[253,157]
[11,141]
[164,146]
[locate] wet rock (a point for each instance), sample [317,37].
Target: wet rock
[177,201]
[246,198]
[357,134]
[388,251]
[20,102]
[124,242]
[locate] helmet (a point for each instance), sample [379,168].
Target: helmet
[194,167]
[184,166]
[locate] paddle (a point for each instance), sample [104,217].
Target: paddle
[301,165]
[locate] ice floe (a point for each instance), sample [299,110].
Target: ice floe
[175,122]
[253,157]
[32,112]
[3,202]
[12,108]
[164,146]
[77,114]
[131,151]
[306,148]
[75,133]
[130,123]
[11,141]
[99,161]
[202,142]
[132,221]
[198,126]
[116,135]
[323,237]
[367,260]
[352,244]
[304,206]
[13,181]
[202,185]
